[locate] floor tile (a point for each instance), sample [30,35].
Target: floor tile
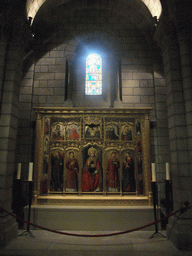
[47,243]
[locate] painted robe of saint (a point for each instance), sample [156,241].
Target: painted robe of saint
[74,133]
[128,174]
[72,172]
[56,182]
[113,173]
[91,178]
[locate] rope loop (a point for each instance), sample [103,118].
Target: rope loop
[181,210]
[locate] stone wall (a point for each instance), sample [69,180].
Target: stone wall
[8,134]
[141,79]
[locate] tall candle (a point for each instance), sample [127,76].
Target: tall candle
[167,172]
[30,177]
[19,171]
[153,172]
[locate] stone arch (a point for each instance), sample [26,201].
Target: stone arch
[32,7]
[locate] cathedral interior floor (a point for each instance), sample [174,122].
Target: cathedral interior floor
[52,244]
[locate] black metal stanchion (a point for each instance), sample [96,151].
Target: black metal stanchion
[169,196]
[18,201]
[29,211]
[155,203]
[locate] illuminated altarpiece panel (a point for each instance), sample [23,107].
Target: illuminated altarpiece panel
[99,156]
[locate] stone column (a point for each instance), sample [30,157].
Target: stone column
[160,135]
[181,233]
[118,85]
[12,68]
[177,128]
[177,72]
[184,41]
[3,50]
[8,132]
[25,136]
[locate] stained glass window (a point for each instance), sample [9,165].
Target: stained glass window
[93,82]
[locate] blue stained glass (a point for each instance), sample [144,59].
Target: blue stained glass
[93,83]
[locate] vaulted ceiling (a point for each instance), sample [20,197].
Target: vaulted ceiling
[49,14]
[154,6]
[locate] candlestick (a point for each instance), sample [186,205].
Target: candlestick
[155,200]
[30,177]
[153,172]
[19,171]
[167,172]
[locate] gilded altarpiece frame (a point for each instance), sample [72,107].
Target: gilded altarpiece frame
[99,154]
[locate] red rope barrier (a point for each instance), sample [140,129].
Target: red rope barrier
[182,209]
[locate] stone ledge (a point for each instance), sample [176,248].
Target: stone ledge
[91,218]
[85,200]
[8,230]
[179,232]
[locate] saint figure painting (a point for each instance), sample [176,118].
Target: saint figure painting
[91,178]
[72,167]
[113,173]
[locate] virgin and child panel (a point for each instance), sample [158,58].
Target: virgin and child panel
[57,167]
[92,179]
[126,133]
